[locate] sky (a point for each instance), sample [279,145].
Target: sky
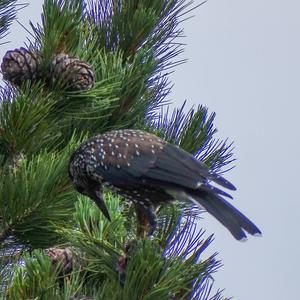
[244,64]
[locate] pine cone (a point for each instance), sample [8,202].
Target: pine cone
[19,65]
[66,257]
[15,161]
[76,74]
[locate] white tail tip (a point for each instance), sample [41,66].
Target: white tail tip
[243,240]
[257,234]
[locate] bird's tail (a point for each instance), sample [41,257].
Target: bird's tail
[224,212]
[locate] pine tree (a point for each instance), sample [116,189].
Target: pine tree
[89,67]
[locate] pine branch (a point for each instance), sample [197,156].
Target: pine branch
[144,31]
[132,25]
[36,198]
[60,31]
[193,131]
[172,272]
[8,11]
[23,121]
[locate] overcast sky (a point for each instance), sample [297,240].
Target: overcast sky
[244,64]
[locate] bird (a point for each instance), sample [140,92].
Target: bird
[151,172]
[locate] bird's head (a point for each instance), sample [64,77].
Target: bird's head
[94,192]
[90,188]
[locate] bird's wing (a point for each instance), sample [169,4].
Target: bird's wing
[164,164]
[177,166]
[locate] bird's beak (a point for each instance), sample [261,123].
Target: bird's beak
[98,199]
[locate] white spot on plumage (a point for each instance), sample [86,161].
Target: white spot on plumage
[137,153]
[257,234]
[243,240]
[199,184]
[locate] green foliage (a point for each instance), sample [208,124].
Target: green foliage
[152,271]
[36,198]
[24,121]
[143,32]
[135,24]
[119,98]
[92,223]
[37,280]
[165,278]
[61,27]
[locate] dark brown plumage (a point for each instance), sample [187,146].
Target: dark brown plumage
[149,171]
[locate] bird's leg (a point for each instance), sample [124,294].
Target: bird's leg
[146,218]
[130,248]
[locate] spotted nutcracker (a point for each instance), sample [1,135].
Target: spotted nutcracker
[149,171]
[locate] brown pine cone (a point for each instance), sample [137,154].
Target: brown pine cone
[66,257]
[19,65]
[74,73]
[15,161]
